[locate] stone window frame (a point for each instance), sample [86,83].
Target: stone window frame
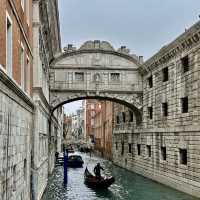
[139,149]
[117,81]
[185,63]
[183,159]
[165,109]
[148,151]
[116,145]
[150,112]
[117,119]
[27,75]
[124,117]
[78,73]
[9,70]
[122,148]
[184,101]
[163,153]
[28,12]
[131,117]
[150,81]
[130,148]
[165,74]
[23,4]
[22,66]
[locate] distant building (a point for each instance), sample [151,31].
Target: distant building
[99,122]
[67,130]
[89,123]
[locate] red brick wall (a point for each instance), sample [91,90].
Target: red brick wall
[18,36]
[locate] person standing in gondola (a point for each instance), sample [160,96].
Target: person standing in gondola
[97,171]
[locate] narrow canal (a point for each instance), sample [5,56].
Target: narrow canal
[128,186]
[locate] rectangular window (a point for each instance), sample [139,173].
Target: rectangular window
[150,112]
[130,116]
[183,156]
[22,67]
[9,48]
[27,76]
[115,77]
[124,116]
[117,119]
[79,76]
[165,109]
[185,64]
[163,153]
[122,150]
[138,149]
[116,145]
[150,81]
[149,150]
[165,74]
[184,104]
[130,148]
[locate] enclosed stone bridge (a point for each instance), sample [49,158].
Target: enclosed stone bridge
[96,70]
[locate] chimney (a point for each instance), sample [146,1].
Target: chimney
[69,48]
[141,59]
[123,50]
[96,44]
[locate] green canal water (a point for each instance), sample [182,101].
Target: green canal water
[128,185]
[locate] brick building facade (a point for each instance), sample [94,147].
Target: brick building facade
[99,125]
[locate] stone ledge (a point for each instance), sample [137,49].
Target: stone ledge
[167,130]
[13,86]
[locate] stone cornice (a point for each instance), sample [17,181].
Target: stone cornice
[77,52]
[39,91]
[97,67]
[16,89]
[186,41]
[181,130]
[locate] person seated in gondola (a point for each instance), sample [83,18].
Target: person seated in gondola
[97,171]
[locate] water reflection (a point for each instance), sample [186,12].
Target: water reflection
[128,186]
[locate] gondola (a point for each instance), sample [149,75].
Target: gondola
[75,161]
[92,181]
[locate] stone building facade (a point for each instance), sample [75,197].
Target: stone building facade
[48,127]
[165,147]
[16,105]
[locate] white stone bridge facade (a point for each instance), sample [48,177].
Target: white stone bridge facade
[96,70]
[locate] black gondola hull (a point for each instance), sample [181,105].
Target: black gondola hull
[93,182]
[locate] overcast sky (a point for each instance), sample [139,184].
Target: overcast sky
[144,26]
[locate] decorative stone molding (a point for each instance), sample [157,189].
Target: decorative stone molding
[186,41]
[10,84]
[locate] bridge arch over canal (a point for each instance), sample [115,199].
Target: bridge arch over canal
[96,71]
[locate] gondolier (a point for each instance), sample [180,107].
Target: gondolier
[97,171]
[93,182]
